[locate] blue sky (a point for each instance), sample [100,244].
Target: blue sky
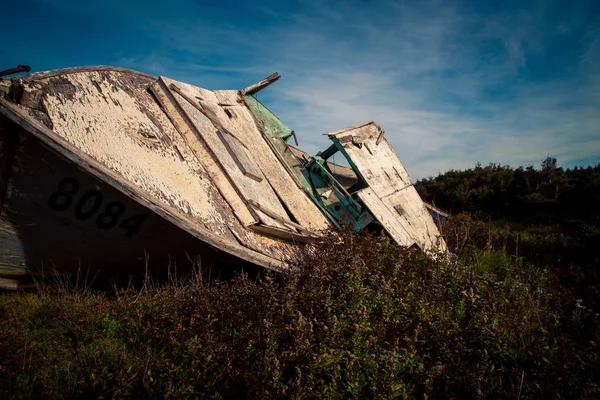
[451,82]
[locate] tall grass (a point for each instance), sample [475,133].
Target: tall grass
[361,318]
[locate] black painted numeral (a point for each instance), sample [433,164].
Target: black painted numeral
[91,200]
[133,224]
[88,205]
[110,217]
[63,198]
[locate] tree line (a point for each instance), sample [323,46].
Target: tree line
[566,199]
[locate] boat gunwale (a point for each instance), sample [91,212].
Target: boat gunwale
[75,70]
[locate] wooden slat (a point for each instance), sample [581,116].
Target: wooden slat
[284,234]
[12,255]
[78,70]
[242,123]
[202,152]
[261,192]
[257,87]
[388,218]
[280,219]
[241,156]
[391,196]
[235,148]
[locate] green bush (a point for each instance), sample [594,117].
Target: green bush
[361,318]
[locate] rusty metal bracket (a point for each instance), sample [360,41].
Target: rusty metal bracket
[381,132]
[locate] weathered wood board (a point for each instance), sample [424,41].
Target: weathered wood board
[236,117]
[215,170]
[202,153]
[227,112]
[103,117]
[12,258]
[184,194]
[249,188]
[391,197]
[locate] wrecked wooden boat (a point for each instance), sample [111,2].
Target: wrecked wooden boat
[115,170]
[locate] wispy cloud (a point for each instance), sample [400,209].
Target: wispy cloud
[451,82]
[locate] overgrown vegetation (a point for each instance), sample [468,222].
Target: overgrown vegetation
[361,318]
[549,216]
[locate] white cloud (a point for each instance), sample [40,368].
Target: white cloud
[447,83]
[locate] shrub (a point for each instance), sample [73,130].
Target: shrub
[360,318]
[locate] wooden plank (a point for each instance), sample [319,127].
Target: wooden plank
[78,70]
[284,234]
[412,211]
[216,172]
[388,219]
[260,192]
[19,68]
[100,171]
[390,183]
[257,87]
[236,150]
[203,153]
[243,124]
[280,219]
[12,255]
[240,155]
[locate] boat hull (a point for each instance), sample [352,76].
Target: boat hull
[57,216]
[114,171]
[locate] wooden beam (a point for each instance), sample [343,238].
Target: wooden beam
[283,234]
[77,70]
[257,87]
[20,68]
[281,219]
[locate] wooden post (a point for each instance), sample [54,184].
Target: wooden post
[257,87]
[20,68]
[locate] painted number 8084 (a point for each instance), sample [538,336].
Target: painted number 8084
[90,203]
